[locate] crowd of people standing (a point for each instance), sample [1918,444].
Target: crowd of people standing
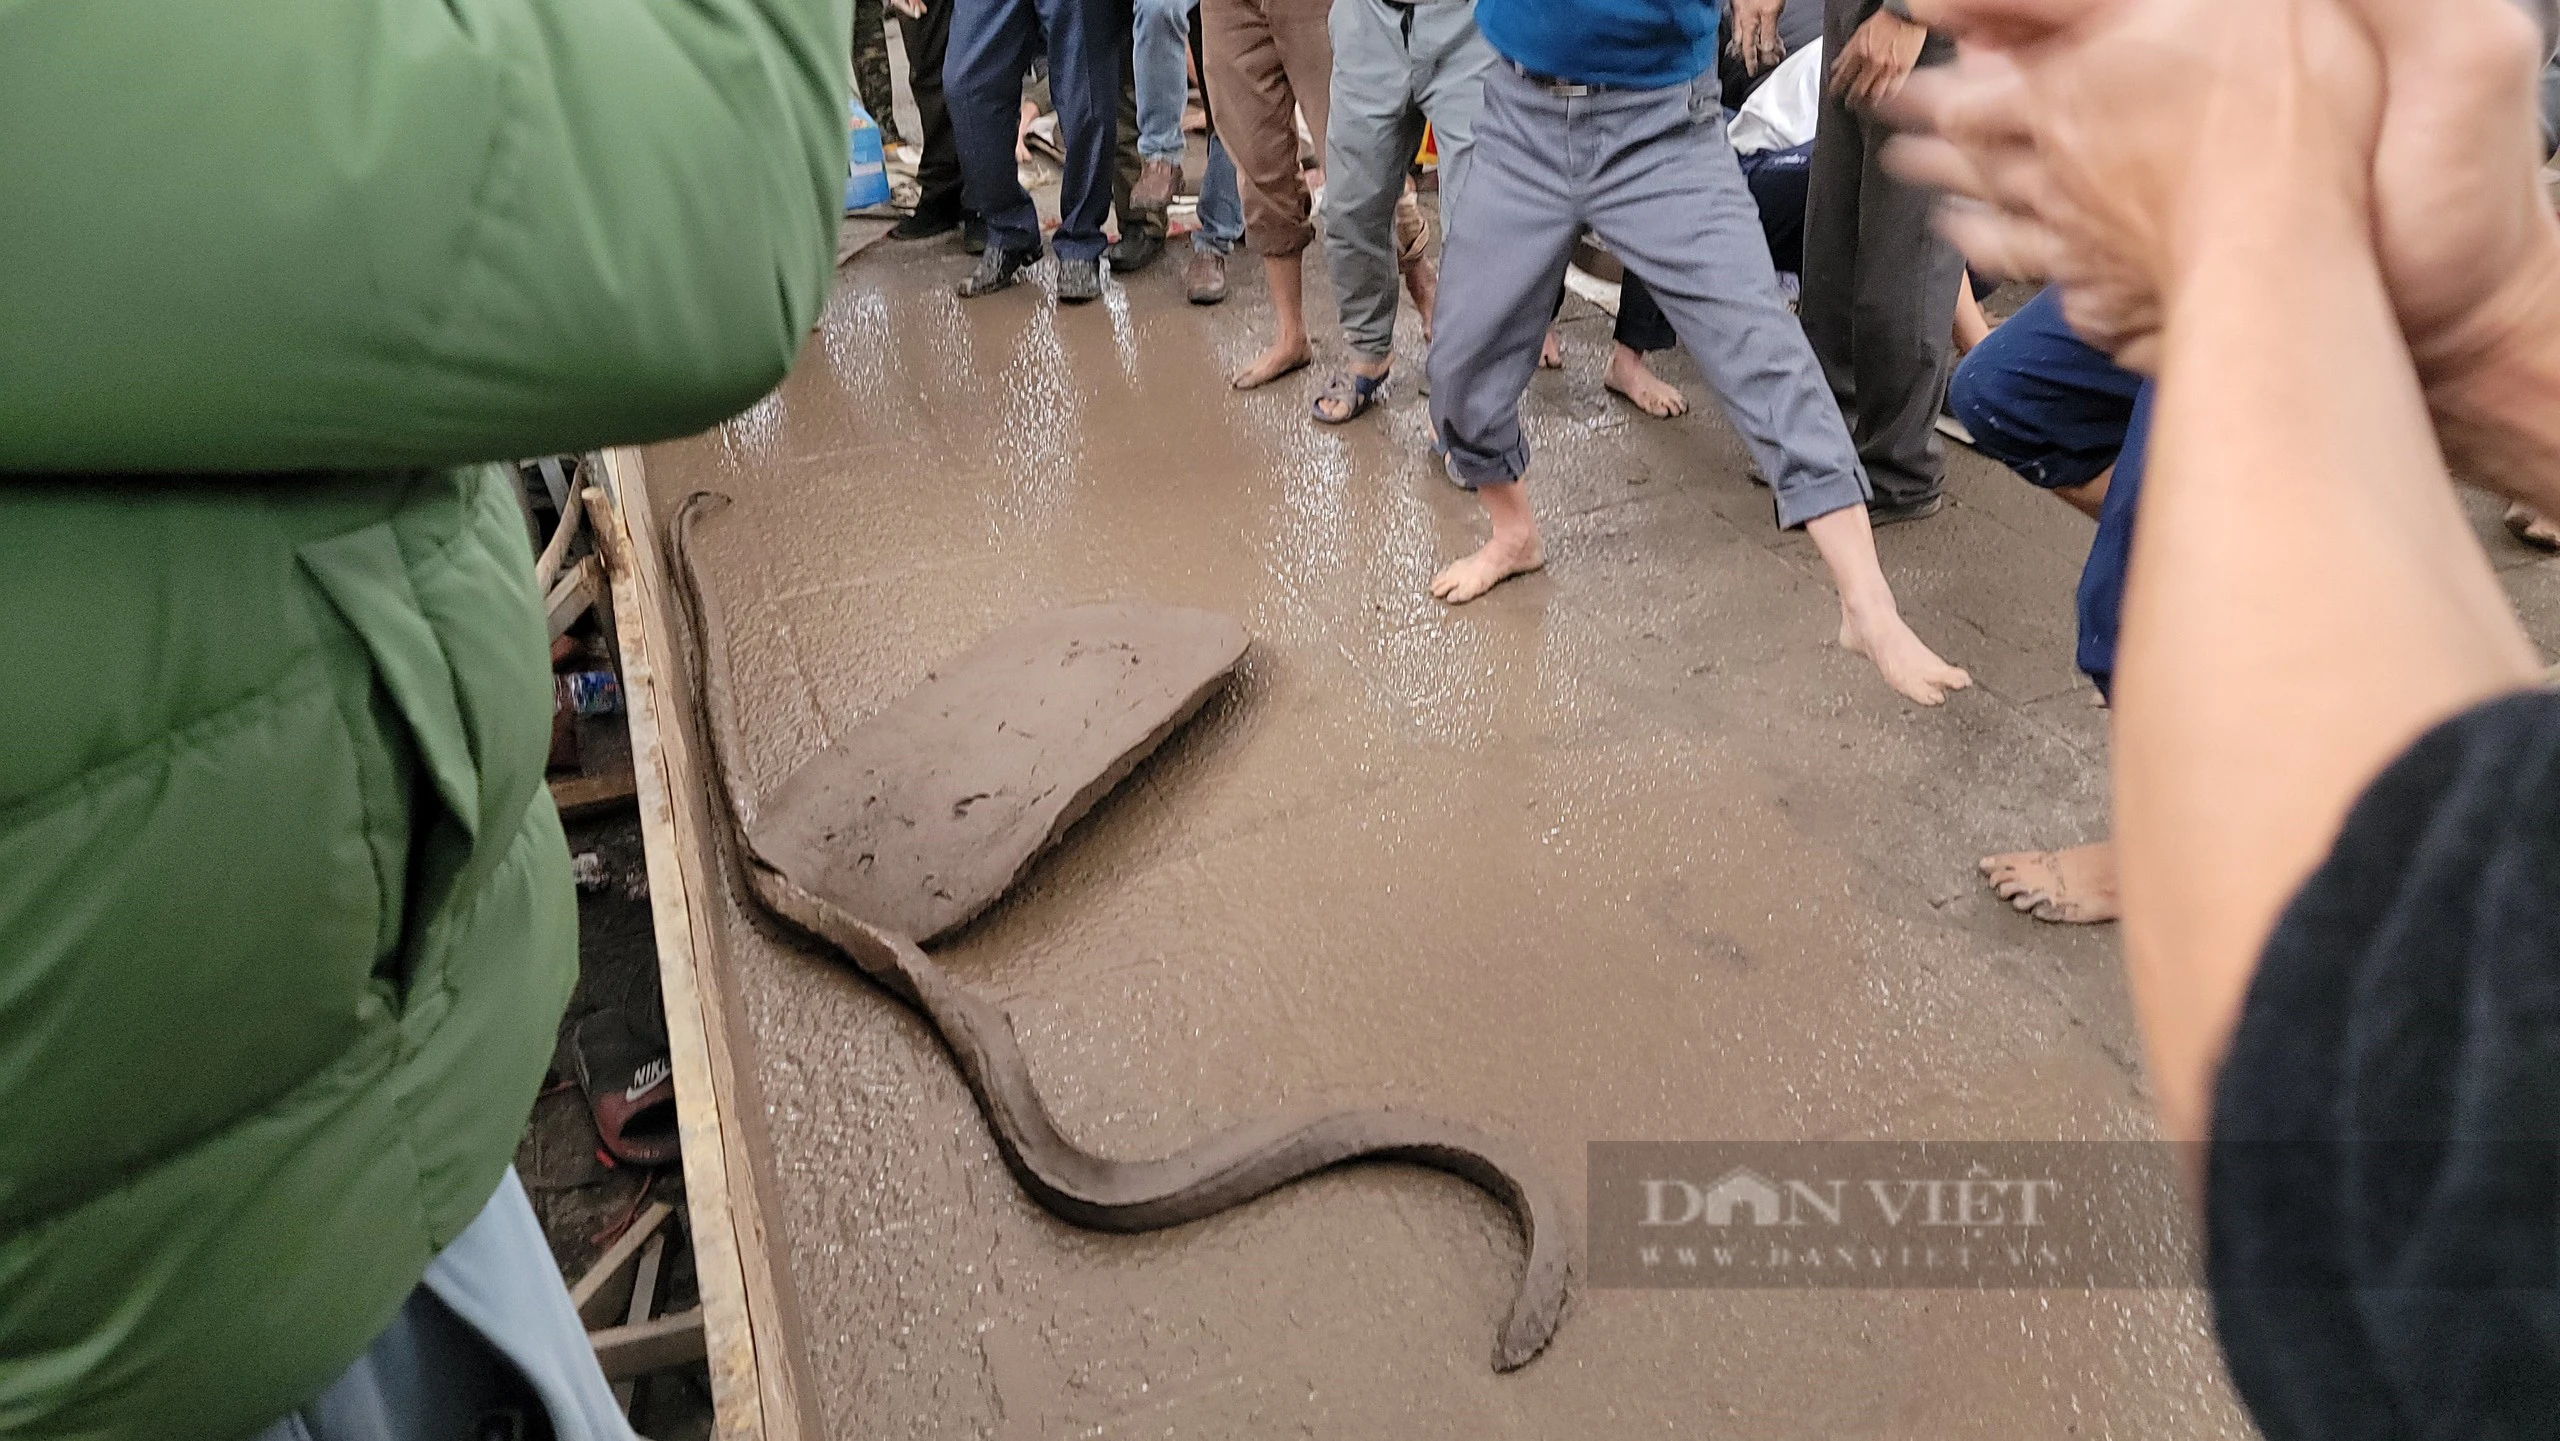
[1546,123]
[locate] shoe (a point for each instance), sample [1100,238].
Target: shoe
[630,1088]
[1206,277]
[924,225]
[997,270]
[1079,280]
[1157,180]
[1135,250]
[973,235]
[1880,515]
[1954,429]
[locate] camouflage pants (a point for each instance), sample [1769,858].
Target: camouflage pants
[871,67]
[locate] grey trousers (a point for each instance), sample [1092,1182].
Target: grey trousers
[1879,289]
[1650,172]
[1394,66]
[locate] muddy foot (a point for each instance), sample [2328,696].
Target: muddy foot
[1281,359]
[1551,354]
[2076,887]
[1463,580]
[1631,377]
[1908,665]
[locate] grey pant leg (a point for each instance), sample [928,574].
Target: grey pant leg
[1370,140]
[1879,291]
[1498,278]
[1453,58]
[1673,207]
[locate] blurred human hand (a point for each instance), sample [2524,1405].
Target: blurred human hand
[2468,243]
[2111,144]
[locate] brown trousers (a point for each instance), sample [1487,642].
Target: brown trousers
[1268,60]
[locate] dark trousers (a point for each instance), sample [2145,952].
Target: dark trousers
[1879,289]
[992,46]
[928,43]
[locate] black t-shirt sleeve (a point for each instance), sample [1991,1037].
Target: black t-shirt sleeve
[2383,1189]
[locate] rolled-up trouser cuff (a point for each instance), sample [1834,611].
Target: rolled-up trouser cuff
[1471,469]
[1294,242]
[1810,499]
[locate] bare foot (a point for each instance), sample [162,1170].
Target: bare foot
[1629,376]
[1551,354]
[2526,525]
[1500,559]
[1285,357]
[1909,666]
[2076,887]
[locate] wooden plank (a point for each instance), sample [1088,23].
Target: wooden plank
[546,567]
[644,1301]
[555,479]
[755,1386]
[579,797]
[603,1293]
[571,598]
[628,1351]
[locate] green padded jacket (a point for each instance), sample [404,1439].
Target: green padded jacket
[285,917]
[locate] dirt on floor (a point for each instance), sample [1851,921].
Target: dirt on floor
[584,1201]
[1629,850]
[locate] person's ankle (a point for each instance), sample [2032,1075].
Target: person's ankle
[1870,606]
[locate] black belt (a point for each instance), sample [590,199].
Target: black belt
[1557,86]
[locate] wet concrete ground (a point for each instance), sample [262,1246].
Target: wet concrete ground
[1626,851]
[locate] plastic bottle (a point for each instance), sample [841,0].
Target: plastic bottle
[866,183]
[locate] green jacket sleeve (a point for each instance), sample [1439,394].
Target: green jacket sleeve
[261,235]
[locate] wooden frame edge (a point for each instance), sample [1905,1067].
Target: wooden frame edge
[756,1395]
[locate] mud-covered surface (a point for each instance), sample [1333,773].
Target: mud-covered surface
[1627,851]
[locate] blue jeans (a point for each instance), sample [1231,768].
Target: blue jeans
[1221,207]
[1158,44]
[2053,408]
[1162,34]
